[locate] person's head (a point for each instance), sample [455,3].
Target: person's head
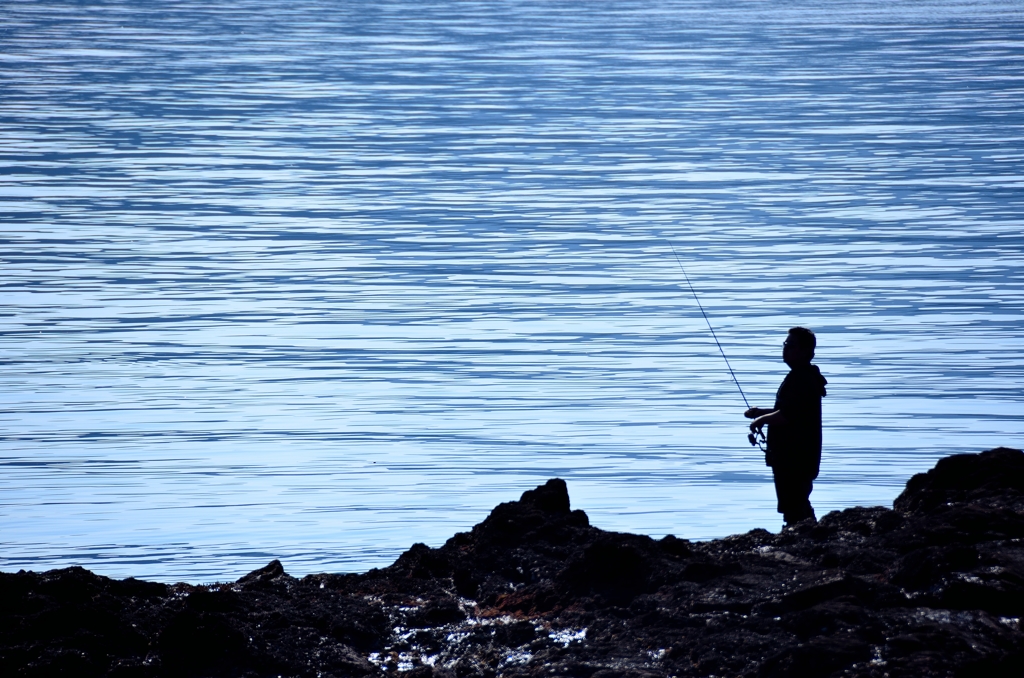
[798,349]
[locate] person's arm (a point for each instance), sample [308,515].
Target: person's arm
[755,412]
[766,417]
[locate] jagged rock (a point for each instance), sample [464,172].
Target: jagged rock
[270,574]
[932,588]
[996,474]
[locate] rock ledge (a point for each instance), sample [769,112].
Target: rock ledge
[934,587]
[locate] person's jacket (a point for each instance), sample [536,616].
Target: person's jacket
[795,446]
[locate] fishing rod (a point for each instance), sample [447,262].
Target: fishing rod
[756,437]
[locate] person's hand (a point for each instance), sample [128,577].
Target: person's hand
[752,413]
[755,426]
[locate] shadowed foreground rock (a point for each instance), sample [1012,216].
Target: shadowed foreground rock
[932,588]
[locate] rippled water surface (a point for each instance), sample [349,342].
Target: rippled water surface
[315,280]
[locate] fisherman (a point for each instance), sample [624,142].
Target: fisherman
[794,427]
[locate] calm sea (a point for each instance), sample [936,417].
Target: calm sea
[316,280]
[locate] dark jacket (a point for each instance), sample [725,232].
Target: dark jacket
[795,446]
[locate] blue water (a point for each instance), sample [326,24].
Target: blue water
[316,280]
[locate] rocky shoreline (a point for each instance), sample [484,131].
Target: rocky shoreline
[933,587]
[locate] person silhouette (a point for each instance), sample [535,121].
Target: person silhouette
[794,427]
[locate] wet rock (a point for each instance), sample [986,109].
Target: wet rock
[932,588]
[271,573]
[437,613]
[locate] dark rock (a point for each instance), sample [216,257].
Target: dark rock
[608,566]
[552,497]
[268,575]
[933,588]
[925,567]
[819,657]
[675,546]
[438,613]
[861,590]
[515,634]
[202,643]
[703,571]
[961,477]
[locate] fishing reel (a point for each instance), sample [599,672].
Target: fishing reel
[758,439]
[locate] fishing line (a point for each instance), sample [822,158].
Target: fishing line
[756,438]
[695,298]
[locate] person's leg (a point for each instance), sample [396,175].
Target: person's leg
[784,494]
[799,501]
[807,511]
[793,493]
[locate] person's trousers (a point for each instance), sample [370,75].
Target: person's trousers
[794,492]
